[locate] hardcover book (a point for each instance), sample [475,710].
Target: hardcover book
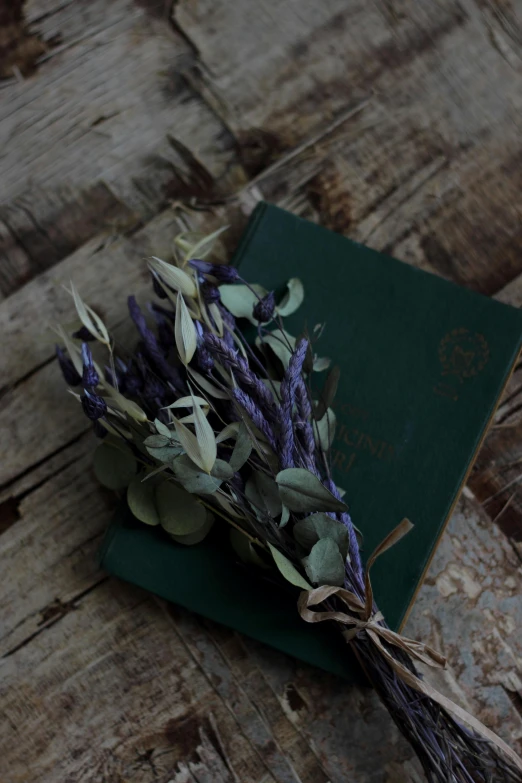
[423,364]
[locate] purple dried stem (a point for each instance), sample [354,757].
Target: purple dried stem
[305,432]
[152,348]
[249,406]
[242,373]
[288,390]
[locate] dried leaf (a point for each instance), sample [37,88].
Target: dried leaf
[207,386]
[192,478]
[173,276]
[114,467]
[324,430]
[293,297]
[301,491]
[162,428]
[179,511]
[321,363]
[245,549]
[184,331]
[218,318]
[188,402]
[91,320]
[230,431]
[240,300]
[328,393]
[242,449]
[195,538]
[288,570]
[200,248]
[310,530]
[127,406]
[205,436]
[141,500]
[325,564]
[282,344]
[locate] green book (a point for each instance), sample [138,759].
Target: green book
[423,364]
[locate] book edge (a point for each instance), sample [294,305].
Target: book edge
[478,445]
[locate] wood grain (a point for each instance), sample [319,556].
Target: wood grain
[396,123]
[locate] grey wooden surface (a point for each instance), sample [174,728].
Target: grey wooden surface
[392,121]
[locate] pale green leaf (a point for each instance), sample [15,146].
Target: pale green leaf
[288,570]
[240,299]
[325,564]
[302,491]
[245,549]
[184,331]
[192,478]
[173,276]
[206,385]
[141,500]
[91,320]
[285,516]
[195,538]
[114,467]
[310,530]
[230,431]
[262,491]
[328,393]
[162,429]
[156,441]
[71,348]
[242,449]
[293,297]
[282,344]
[179,511]
[222,470]
[206,438]
[324,430]
[197,245]
[127,406]
[188,402]
[165,453]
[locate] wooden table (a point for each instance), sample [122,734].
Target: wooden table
[394,122]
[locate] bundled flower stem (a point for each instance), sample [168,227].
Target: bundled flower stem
[197,423]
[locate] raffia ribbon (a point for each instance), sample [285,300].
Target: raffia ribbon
[368,622]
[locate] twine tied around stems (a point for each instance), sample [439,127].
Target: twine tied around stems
[365,620]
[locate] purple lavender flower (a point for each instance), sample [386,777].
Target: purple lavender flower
[83,334]
[71,376]
[204,359]
[289,386]
[152,348]
[93,405]
[264,308]
[90,377]
[250,407]
[210,293]
[223,272]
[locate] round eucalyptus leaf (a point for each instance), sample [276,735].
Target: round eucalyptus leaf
[310,530]
[325,565]
[195,538]
[141,500]
[180,512]
[192,478]
[301,490]
[114,467]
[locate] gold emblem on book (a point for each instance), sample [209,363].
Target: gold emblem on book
[462,355]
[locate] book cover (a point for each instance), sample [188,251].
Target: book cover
[423,363]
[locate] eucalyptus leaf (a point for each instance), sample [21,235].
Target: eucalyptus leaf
[210,388]
[310,530]
[293,298]
[245,549]
[242,449]
[195,538]
[288,570]
[321,363]
[114,467]
[165,453]
[240,300]
[301,490]
[324,430]
[192,478]
[156,441]
[282,344]
[328,393]
[263,493]
[191,445]
[222,470]
[325,564]
[205,436]
[180,512]
[230,431]
[141,500]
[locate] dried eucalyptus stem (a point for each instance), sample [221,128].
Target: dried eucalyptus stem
[197,423]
